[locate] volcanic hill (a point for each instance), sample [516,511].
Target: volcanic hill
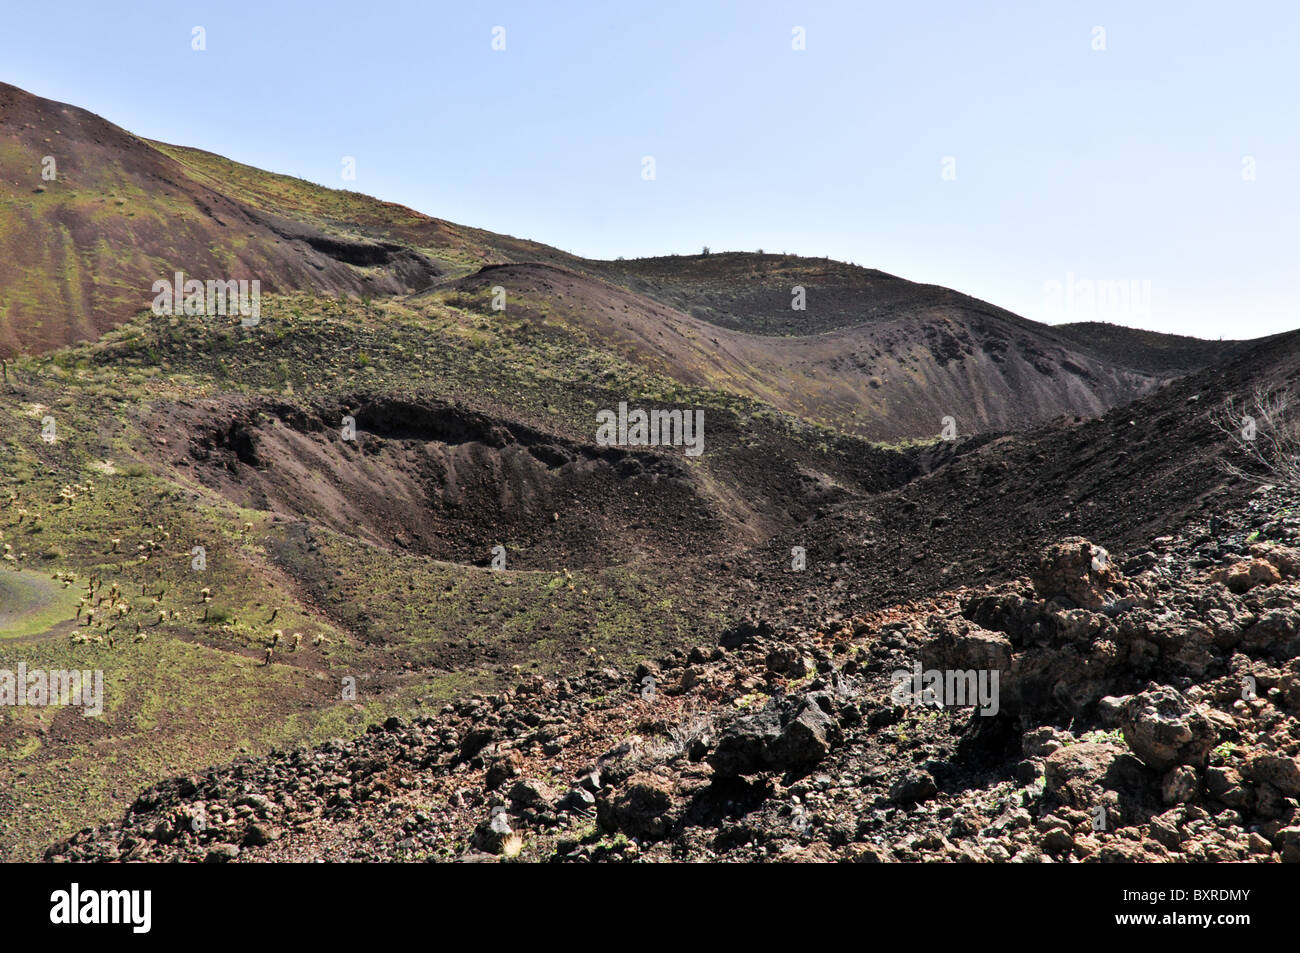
[387,497]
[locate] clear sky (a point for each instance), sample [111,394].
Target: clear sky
[1073,164]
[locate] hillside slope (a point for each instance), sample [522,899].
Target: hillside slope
[329,558]
[79,252]
[871,354]
[893,375]
[753,292]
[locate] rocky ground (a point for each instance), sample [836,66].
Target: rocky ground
[1148,709]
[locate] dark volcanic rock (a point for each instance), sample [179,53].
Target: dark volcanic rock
[787,735]
[1163,729]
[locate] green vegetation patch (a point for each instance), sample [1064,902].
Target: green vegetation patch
[32,603]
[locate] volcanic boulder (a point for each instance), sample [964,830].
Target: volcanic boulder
[1077,572]
[787,735]
[1163,729]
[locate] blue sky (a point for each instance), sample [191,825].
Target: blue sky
[1072,164]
